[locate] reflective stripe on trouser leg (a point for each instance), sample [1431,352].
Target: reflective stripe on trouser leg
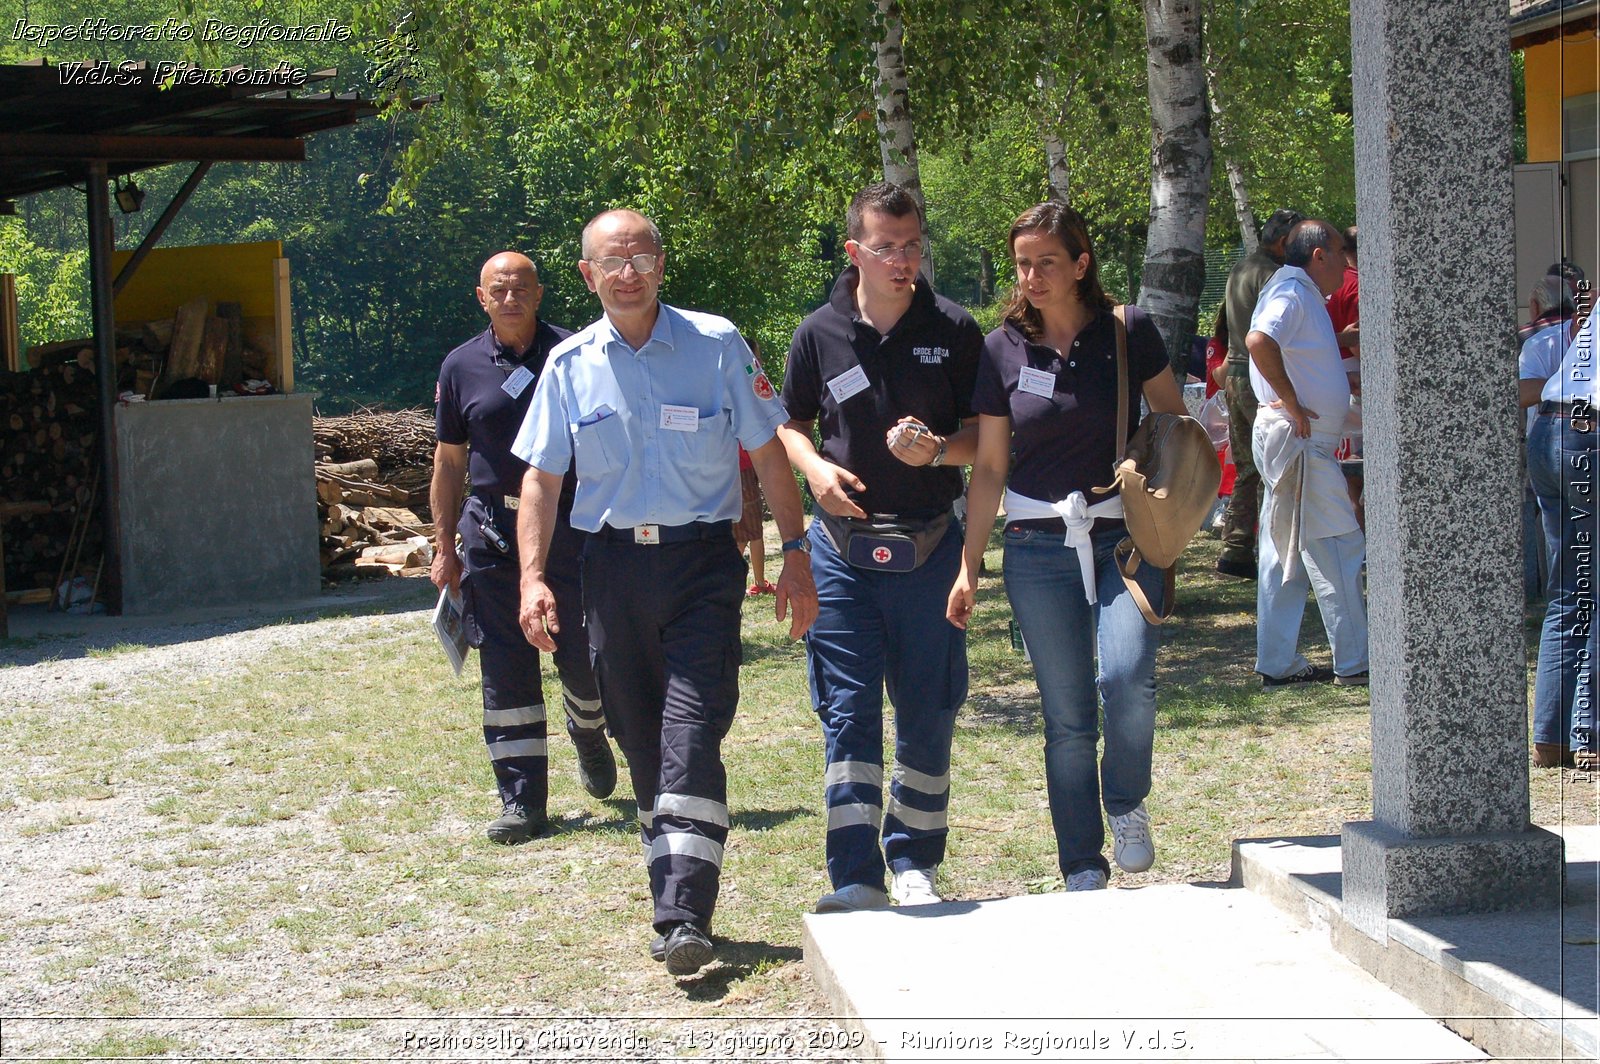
[925,676]
[844,665]
[513,700]
[664,628]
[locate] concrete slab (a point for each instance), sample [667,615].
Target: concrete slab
[1172,972]
[1539,966]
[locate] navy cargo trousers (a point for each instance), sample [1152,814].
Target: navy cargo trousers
[663,625]
[513,693]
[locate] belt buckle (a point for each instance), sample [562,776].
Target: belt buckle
[648,534]
[512,502]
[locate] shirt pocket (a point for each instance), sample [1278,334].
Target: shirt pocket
[707,451]
[600,447]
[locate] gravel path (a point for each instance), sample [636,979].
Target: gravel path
[76,873]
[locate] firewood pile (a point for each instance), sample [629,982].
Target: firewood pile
[49,425]
[373,471]
[223,348]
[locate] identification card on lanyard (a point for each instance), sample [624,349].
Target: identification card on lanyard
[517,382]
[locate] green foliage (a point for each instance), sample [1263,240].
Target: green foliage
[743,128]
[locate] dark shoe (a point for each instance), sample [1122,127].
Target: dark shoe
[1309,674]
[687,950]
[1552,755]
[597,765]
[517,824]
[1241,568]
[658,949]
[1355,679]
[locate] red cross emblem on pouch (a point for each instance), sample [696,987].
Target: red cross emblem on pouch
[881,555]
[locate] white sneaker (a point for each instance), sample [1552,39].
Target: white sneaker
[1134,848]
[914,886]
[1088,879]
[853,898]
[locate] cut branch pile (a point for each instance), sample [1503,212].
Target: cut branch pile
[49,425]
[373,471]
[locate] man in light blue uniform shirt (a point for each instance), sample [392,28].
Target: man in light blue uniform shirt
[646,404]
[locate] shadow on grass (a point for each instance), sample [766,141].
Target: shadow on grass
[626,819]
[39,635]
[739,960]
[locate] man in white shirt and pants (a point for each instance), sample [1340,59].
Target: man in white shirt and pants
[1309,533]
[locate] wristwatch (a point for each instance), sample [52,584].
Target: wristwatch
[794,544]
[938,458]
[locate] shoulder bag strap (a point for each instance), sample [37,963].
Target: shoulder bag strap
[1122,380]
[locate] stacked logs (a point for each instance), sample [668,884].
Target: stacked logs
[373,470]
[221,348]
[49,427]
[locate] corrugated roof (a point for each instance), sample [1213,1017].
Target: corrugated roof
[53,119]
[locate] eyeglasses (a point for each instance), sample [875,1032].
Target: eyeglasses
[912,252]
[611,265]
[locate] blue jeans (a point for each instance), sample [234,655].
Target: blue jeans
[876,632]
[1561,464]
[1063,632]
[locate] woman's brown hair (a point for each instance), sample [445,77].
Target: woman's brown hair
[1054,218]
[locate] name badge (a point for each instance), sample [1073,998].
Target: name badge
[680,418]
[848,383]
[1037,382]
[517,382]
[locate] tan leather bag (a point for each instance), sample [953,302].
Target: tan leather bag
[1168,477]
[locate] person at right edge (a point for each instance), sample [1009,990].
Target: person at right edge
[1047,393]
[1245,281]
[887,366]
[1563,464]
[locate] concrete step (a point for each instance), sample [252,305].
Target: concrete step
[1171,972]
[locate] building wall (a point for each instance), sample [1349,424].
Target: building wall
[1554,71]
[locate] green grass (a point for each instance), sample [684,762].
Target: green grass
[321,813]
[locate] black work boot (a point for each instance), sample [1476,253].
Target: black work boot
[516,824]
[597,765]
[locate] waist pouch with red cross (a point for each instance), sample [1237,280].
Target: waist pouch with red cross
[883,543]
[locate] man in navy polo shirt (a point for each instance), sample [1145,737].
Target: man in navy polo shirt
[887,368]
[484,389]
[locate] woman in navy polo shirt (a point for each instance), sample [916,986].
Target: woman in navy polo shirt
[1047,394]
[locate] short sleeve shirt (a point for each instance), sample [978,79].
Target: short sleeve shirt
[1541,353]
[857,383]
[1292,312]
[651,432]
[1066,441]
[1575,377]
[483,394]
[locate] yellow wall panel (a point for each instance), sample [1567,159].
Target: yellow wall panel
[1554,71]
[235,273]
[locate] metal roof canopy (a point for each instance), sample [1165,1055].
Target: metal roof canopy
[87,123]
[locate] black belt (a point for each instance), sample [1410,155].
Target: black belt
[1056,524]
[1582,411]
[669,533]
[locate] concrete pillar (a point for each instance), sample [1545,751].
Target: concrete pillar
[1450,830]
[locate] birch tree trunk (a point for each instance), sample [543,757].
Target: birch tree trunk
[1230,162]
[1057,170]
[897,143]
[1055,153]
[1180,172]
